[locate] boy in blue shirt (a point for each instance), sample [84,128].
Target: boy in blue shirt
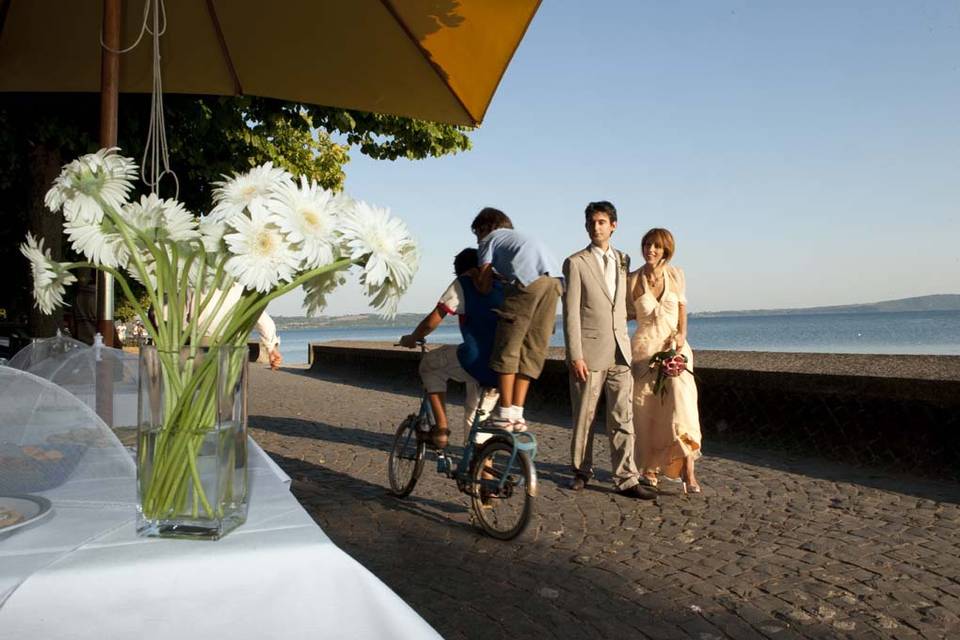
[532,287]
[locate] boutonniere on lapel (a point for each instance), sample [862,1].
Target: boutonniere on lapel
[624,262]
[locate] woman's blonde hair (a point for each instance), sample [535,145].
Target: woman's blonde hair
[661,237]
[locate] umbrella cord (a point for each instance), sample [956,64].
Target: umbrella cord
[155,151]
[143,29]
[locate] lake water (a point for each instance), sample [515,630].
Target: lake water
[912,332]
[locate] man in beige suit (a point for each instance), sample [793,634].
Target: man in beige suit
[598,352]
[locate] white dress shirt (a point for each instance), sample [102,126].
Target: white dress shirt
[608,266]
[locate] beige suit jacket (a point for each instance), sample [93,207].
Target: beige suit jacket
[594,324]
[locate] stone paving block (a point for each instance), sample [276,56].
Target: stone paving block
[735,627]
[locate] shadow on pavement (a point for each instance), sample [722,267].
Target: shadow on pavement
[557,474]
[468,585]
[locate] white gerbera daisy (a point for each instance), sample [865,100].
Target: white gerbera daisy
[232,195]
[379,242]
[308,217]
[144,214]
[262,256]
[211,232]
[50,278]
[179,224]
[343,204]
[318,288]
[82,185]
[97,242]
[386,299]
[386,296]
[149,265]
[161,219]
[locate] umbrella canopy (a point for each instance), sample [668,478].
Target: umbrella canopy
[438,60]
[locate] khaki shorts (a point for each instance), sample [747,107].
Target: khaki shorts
[527,320]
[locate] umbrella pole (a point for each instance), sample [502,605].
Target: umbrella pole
[109,105]
[109,102]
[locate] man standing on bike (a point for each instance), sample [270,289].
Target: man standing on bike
[468,362]
[598,352]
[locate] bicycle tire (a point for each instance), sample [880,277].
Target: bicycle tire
[502,514]
[406,458]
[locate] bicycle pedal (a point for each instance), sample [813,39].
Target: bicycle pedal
[443,465]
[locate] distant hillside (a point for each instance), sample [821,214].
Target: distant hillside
[943,302]
[357,320]
[940,302]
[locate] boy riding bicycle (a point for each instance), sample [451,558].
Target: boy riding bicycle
[467,362]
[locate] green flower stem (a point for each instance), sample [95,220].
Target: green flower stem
[175,429]
[126,291]
[195,327]
[156,297]
[192,323]
[189,401]
[256,308]
[173,485]
[181,436]
[197,484]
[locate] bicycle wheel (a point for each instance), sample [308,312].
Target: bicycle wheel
[406,458]
[503,512]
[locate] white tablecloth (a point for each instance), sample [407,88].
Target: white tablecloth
[276,576]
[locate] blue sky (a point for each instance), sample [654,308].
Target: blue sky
[802,153]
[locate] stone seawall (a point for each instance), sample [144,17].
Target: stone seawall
[896,412]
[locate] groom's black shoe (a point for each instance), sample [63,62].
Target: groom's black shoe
[578,483]
[639,492]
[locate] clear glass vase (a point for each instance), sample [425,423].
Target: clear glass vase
[192,442]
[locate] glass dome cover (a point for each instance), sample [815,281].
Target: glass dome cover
[105,379]
[53,444]
[42,349]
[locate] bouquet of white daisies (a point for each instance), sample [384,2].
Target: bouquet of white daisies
[267,233]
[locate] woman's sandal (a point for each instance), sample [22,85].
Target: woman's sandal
[688,487]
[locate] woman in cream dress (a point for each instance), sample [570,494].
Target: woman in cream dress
[667,427]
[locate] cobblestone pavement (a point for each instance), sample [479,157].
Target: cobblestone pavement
[776,547]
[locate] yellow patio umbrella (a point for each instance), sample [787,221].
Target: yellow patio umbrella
[437,60]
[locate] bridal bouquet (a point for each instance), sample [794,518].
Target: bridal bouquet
[666,364]
[265,235]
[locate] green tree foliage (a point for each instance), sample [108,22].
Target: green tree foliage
[214,136]
[125,311]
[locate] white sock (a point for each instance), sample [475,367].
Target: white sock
[504,413]
[517,413]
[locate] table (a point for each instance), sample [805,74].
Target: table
[278,575]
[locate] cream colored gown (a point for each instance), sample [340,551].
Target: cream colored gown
[667,427]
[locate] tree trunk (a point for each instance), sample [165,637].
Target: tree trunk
[45,164]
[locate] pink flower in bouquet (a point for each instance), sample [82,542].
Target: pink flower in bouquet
[667,364]
[674,366]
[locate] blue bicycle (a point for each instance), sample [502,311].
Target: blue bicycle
[496,470]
